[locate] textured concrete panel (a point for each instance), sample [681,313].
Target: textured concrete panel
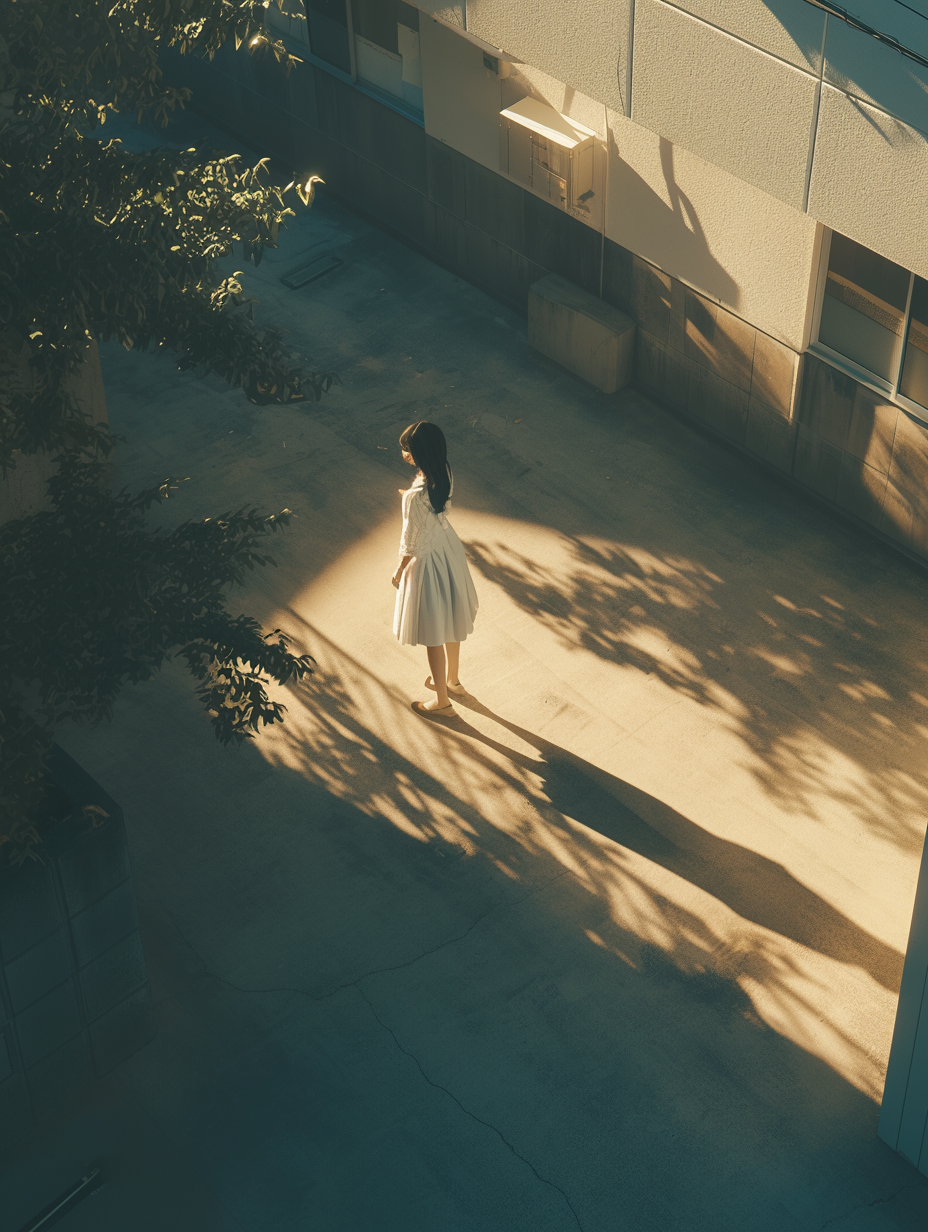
[769,435]
[859,65]
[861,489]
[744,111]
[583,43]
[775,372]
[788,29]
[734,243]
[870,179]
[40,969]
[461,99]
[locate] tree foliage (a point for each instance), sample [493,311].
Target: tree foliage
[101,243]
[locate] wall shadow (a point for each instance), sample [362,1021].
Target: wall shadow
[671,236]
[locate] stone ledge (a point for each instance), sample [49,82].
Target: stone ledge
[587,336]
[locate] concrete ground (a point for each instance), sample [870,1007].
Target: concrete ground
[618,947]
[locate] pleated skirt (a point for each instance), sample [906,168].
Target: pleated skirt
[436,601]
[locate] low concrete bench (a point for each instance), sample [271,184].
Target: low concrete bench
[576,329]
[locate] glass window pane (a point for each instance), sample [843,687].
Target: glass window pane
[387,48]
[863,308]
[328,32]
[915,370]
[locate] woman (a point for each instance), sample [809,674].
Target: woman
[436,601]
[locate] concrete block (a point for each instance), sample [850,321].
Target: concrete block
[650,364]
[122,1031]
[774,374]
[651,291]
[109,919]
[38,970]
[905,517]
[588,337]
[617,278]
[717,403]
[826,401]
[769,435]
[718,340]
[872,429]
[561,244]
[909,465]
[94,866]
[113,977]
[48,1023]
[818,464]
[861,489]
[29,908]
[446,176]
[494,205]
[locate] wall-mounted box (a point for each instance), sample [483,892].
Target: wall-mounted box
[547,152]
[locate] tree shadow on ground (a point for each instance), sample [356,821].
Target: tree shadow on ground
[467,792]
[779,668]
[757,888]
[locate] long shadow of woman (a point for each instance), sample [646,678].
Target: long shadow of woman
[757,888]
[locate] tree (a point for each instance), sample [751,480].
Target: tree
[99,243]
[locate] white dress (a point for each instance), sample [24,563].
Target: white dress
[436,601]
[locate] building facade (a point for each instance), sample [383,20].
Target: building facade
[746,179]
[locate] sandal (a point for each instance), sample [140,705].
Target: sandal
[443,712]
[457,689]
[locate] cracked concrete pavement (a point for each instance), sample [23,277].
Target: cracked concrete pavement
[617,947]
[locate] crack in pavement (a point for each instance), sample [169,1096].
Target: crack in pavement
[304,992]
[860,1205]
[356,984]
[467,1112]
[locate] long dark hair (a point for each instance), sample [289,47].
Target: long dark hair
[426,442]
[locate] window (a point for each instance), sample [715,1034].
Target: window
[874,314]
[375,42]
[328,32]
[386,46]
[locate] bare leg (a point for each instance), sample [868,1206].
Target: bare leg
[437,664]
[453,651]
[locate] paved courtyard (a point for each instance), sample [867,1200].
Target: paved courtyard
[617,948]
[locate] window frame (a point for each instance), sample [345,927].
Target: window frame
[863,375]
[305,52]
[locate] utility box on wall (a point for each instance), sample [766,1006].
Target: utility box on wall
[546,152]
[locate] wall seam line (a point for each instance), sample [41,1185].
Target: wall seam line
[771,55]
[813,132]
[630,58]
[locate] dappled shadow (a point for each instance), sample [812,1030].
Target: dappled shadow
[797,677]
[533,810]
[757,888]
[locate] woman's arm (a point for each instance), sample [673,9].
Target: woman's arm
[400,570]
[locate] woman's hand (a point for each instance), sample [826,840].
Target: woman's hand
[396,581]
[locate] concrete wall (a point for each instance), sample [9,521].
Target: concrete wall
[75,999]
[805,108]
[712,230]
[737,252]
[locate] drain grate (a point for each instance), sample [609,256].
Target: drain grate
[313,270]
